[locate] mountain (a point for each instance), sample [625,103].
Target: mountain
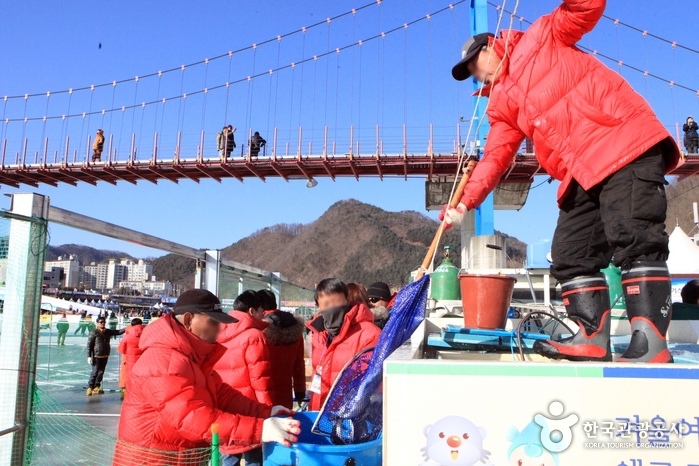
[86,254]
[352,241]
[179,270]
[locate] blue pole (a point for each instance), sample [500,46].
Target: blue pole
[485,221]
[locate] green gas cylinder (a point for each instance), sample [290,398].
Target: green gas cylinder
[616,293]
[445,279]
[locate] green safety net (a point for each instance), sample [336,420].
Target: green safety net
[60,437]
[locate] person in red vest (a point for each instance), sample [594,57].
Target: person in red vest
[603,141]
[246,366]
[128,346]
[340,330]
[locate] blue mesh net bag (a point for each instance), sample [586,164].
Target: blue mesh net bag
[353,411]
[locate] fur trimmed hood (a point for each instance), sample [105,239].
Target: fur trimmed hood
[380,313]
[285,336]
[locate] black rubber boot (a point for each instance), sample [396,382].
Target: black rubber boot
[648,292]
[587,303]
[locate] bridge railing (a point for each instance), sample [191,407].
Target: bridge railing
[281,143]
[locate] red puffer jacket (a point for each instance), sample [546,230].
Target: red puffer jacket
[586,121]
[173,397]
[246,366]
[286,351]
[358,332]
[128,346]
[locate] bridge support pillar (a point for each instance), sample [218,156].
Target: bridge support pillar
[20,325]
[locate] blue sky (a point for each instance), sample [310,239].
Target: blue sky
[54,46]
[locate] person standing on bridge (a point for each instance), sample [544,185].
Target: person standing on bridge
[98,146]
[256,143]
[603,141]
[230,140]
[691,137]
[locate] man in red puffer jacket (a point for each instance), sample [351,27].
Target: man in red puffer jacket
[246,366]
[174,396]
[602,140]
[340,331]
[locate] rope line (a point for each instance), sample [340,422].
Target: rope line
[462,158]
[292,65]
[607,57]
[217,57]
[654,36]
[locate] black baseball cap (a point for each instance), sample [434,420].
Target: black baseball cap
[200,301]
[469,51]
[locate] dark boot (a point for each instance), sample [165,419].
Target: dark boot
[648,292]
[587,303]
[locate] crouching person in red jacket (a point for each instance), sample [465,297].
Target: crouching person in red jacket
[341,330]
[602,140]
[173,395]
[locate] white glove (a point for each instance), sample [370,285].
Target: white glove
[89,361]
[280,410]
[280,430]
[453,217]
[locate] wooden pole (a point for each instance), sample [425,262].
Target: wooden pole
[442,226]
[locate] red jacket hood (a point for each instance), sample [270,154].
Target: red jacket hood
[245,322]
[135,330]
[511,38]
[166,332]
[359,313]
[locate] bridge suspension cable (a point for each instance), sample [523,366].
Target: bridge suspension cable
[183,96]
[620,63]
[197,63]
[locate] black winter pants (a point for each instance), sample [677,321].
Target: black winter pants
[620,220]
[98,367]
[691,145]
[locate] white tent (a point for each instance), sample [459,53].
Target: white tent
[684,254]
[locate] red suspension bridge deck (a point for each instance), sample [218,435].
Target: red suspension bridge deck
[301,167]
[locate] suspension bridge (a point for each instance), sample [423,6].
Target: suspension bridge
[160,126]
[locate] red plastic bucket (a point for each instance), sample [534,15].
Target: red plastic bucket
[486,299]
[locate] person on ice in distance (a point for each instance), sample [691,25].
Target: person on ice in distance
[98,350]
[601,139]
[173,395]
[129,347]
